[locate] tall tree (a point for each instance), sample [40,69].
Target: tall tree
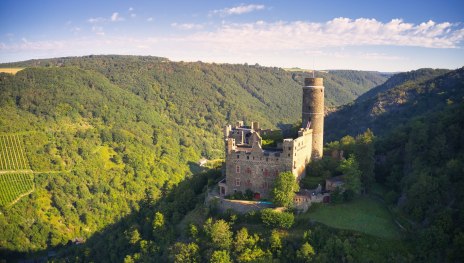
[364,151]
[284,189]
[350,169]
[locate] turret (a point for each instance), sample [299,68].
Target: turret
[313,113]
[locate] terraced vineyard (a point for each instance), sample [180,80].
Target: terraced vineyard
[13,186]
[16,178]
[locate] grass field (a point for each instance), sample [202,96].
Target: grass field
[364,214]
[10,70]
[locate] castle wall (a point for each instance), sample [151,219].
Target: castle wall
[302,148]
[255,169]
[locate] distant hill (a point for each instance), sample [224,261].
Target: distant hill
[402,97]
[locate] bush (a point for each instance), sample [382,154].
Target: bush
[274,219]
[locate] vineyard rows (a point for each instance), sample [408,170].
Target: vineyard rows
[12,156]
[16,179]
[14,185]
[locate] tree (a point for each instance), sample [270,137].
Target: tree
[350,169]
[185,253]
[305,253]
[275,243]
[284,189]
[365,151]
[220,256]
[273,218]
[218,233]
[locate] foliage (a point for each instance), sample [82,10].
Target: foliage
[394,103]
[220,256]
[185,253]
[284,189]
[278,219]
[350,168]
[305,253]
[218,233]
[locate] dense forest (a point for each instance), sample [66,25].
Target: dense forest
[402,97]
[114,143]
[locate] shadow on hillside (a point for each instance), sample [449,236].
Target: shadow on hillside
[132,233]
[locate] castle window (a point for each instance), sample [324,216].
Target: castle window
[276,172]
[294,164]
[277,159]
[237,169]
[237,181]
[288,155]
[238,156]
[267,159]
[248,157]
[266,172]
[248,170]
[289,148]
[253,157]
[248,183]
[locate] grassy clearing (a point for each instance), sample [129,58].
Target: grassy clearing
[10,70]
[364,214]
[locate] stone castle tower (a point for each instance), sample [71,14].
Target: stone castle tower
[313,113]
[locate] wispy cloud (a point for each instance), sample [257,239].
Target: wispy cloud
[94,20]
[116,17]
[334,33]
[275,43]
[237,10]
[98,30]
[150,19]
[187,26]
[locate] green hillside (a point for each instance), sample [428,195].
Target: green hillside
[402,97]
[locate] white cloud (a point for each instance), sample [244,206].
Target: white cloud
[149,19]
[98,30]
[340,42]
[187,26]
[115,17]
[95,20]
[238,10]
[131,9]
[338,32]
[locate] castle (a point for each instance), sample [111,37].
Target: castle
[249,166]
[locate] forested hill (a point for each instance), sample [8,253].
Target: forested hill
[138,74]
[101,133]
[401,98]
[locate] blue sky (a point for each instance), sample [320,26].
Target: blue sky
[359,34]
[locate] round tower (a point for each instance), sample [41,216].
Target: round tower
[313,113]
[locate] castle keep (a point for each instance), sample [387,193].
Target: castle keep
[249,166]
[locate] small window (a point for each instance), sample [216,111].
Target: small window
[237,181]
[237,169]
[266,172]
[248,170]
[288,155]
[267,159]
[289,148]
[248,157]
[238,156]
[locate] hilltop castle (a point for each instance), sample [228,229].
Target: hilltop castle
[250,166]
